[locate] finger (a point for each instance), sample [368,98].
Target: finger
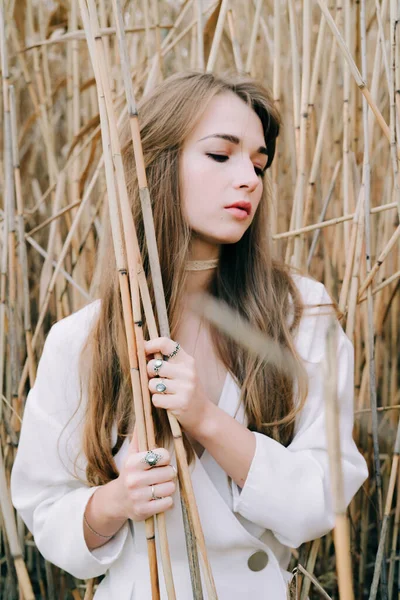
[152,371]
[164,345]
[157,506]
[161,490]
[163,387]
[168,370]
[136,460]
[166,401]
[157,476]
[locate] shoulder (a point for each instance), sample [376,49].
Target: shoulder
[68,335]
[312,292]
[56,392]
[310,336]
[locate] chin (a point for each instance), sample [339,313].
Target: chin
[222,240]
[231,235]
[224,236]
[232,239]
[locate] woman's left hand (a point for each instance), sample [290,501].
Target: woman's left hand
[184,396]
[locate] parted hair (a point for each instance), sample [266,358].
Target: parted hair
[248,278]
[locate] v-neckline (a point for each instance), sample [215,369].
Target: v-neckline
[223,390]
[220,404]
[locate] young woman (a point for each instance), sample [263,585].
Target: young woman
[258,452]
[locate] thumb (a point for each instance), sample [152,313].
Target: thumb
[134,445]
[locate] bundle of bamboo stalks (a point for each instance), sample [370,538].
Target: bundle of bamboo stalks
[69,71]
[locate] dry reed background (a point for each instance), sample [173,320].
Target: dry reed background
[335,75]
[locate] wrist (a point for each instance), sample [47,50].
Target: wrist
[106,498]
[205,427]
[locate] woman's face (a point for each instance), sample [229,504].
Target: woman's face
[221,165]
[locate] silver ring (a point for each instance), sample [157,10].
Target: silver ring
[175,352]
[157,366]
[153,496]
[161,388]
[151,458]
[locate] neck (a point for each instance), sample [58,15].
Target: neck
[200,265]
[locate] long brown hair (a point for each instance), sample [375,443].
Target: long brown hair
[247,278]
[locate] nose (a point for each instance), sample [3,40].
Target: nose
[246,177]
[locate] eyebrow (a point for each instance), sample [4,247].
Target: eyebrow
[234,140]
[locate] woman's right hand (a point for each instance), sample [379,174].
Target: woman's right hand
[129,496]
[134,496]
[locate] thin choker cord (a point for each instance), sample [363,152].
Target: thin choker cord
[201,265]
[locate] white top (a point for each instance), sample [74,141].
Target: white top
[285,501]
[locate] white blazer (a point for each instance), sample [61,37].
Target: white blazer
[285,501]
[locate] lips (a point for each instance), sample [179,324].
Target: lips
[242,205]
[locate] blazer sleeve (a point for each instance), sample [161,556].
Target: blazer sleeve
[48,484]
[287,489]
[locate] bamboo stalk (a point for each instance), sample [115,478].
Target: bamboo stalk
[330,222]
[235,44]
[295,86]
[89,590]
[370,335]
[11,530]
[311,578]
[3,300]
[253,37]
[341,531]
[62,271]
[310,568]
[323,213]
[156,17]
[276,93]
[382,285]
[9,197]
[46,222]
[395,538]
[200,39]
[354,267]
[45,56]
[386,516]
[53,236]
[383,255]
[347,189]
[301,174]
[322,128]
[217,37]
[21,239]
[78,35]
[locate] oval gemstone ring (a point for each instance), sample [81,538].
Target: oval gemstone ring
[157,366]
[161,388]
[151,458]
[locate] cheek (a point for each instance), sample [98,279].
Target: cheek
[198,187]
[259,192]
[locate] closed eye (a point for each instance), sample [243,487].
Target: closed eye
[218,157]
[223,158]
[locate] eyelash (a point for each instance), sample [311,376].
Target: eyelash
[222,158]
